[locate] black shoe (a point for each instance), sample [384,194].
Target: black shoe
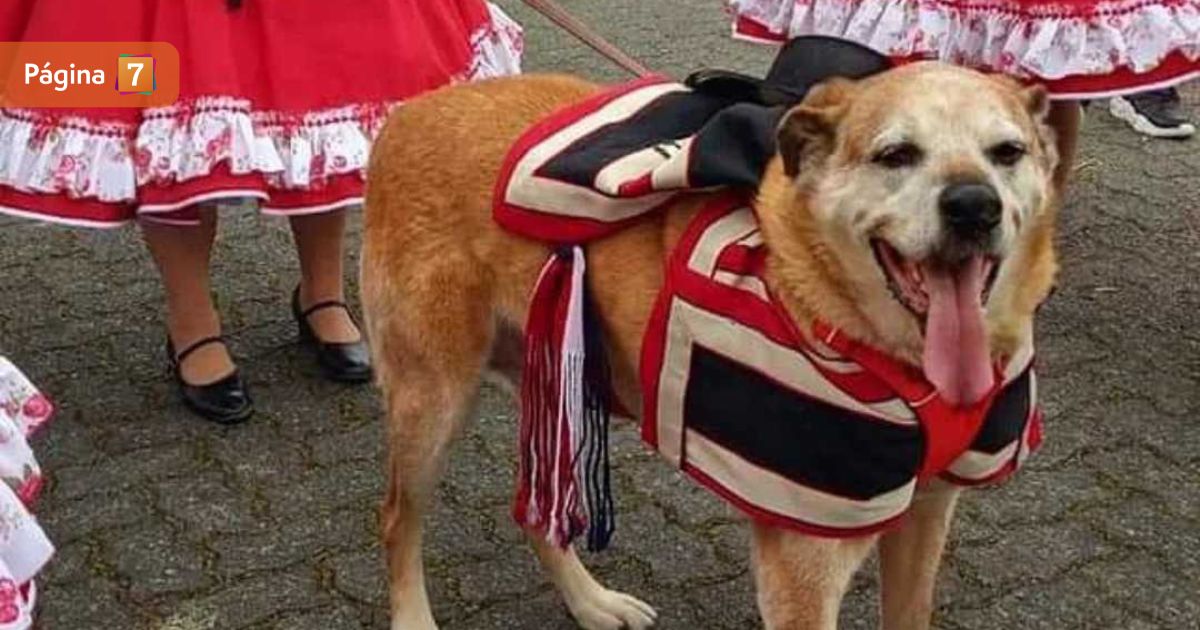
[224,401]
[1157,113]
[342,362]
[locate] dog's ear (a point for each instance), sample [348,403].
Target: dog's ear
[1035,97]
[1037,101]
[809,130]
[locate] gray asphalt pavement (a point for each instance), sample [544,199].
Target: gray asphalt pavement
[165,522]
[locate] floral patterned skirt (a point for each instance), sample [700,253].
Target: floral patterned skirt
[1077,48]
[24,547]
[279,101]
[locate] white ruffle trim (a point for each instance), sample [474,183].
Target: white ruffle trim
[108,161]
[1047,42]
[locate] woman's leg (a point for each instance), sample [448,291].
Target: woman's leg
[182,254]
[1064,119]
[319,244]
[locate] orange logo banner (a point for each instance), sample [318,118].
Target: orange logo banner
[88,74]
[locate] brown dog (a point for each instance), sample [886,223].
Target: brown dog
[854,211]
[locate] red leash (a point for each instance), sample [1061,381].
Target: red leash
[585,34]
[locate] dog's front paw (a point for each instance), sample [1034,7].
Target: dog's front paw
[414,620]
[602,609]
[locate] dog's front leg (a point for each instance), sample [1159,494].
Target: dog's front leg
[593,606]
[801,579]
[909,558]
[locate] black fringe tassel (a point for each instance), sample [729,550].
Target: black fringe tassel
[597,401]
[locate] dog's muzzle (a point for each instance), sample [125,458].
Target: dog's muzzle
[971,213]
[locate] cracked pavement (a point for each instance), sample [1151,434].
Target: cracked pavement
[164,522]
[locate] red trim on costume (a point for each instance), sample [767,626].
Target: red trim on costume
[643,185]
[948,430]
[771,519]
[654,348]
[542,226]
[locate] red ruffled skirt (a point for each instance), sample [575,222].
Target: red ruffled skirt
[1077,48]
[279,101]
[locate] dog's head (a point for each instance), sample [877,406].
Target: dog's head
[916,210]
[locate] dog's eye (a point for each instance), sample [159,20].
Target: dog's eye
[900,155]
[1007,153]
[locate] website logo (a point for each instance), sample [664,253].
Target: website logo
[84,75]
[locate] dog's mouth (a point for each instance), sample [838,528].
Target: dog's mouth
[948,300]
[906,278]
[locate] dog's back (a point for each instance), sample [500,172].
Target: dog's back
[435,162]
[428,222]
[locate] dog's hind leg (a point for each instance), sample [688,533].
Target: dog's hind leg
[593,606]
[801,579]
[418,442]
[909,559]
[430,338]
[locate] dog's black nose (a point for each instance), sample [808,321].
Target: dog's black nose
[971,210]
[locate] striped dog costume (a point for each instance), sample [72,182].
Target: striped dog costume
[800,427]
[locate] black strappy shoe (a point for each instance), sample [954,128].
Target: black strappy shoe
[224,401]
[341,362]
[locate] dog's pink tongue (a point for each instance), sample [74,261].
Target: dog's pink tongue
[956,358]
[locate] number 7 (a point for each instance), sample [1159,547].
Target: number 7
[136,73]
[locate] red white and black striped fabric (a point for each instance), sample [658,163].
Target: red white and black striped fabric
[806,430]
[592,168]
